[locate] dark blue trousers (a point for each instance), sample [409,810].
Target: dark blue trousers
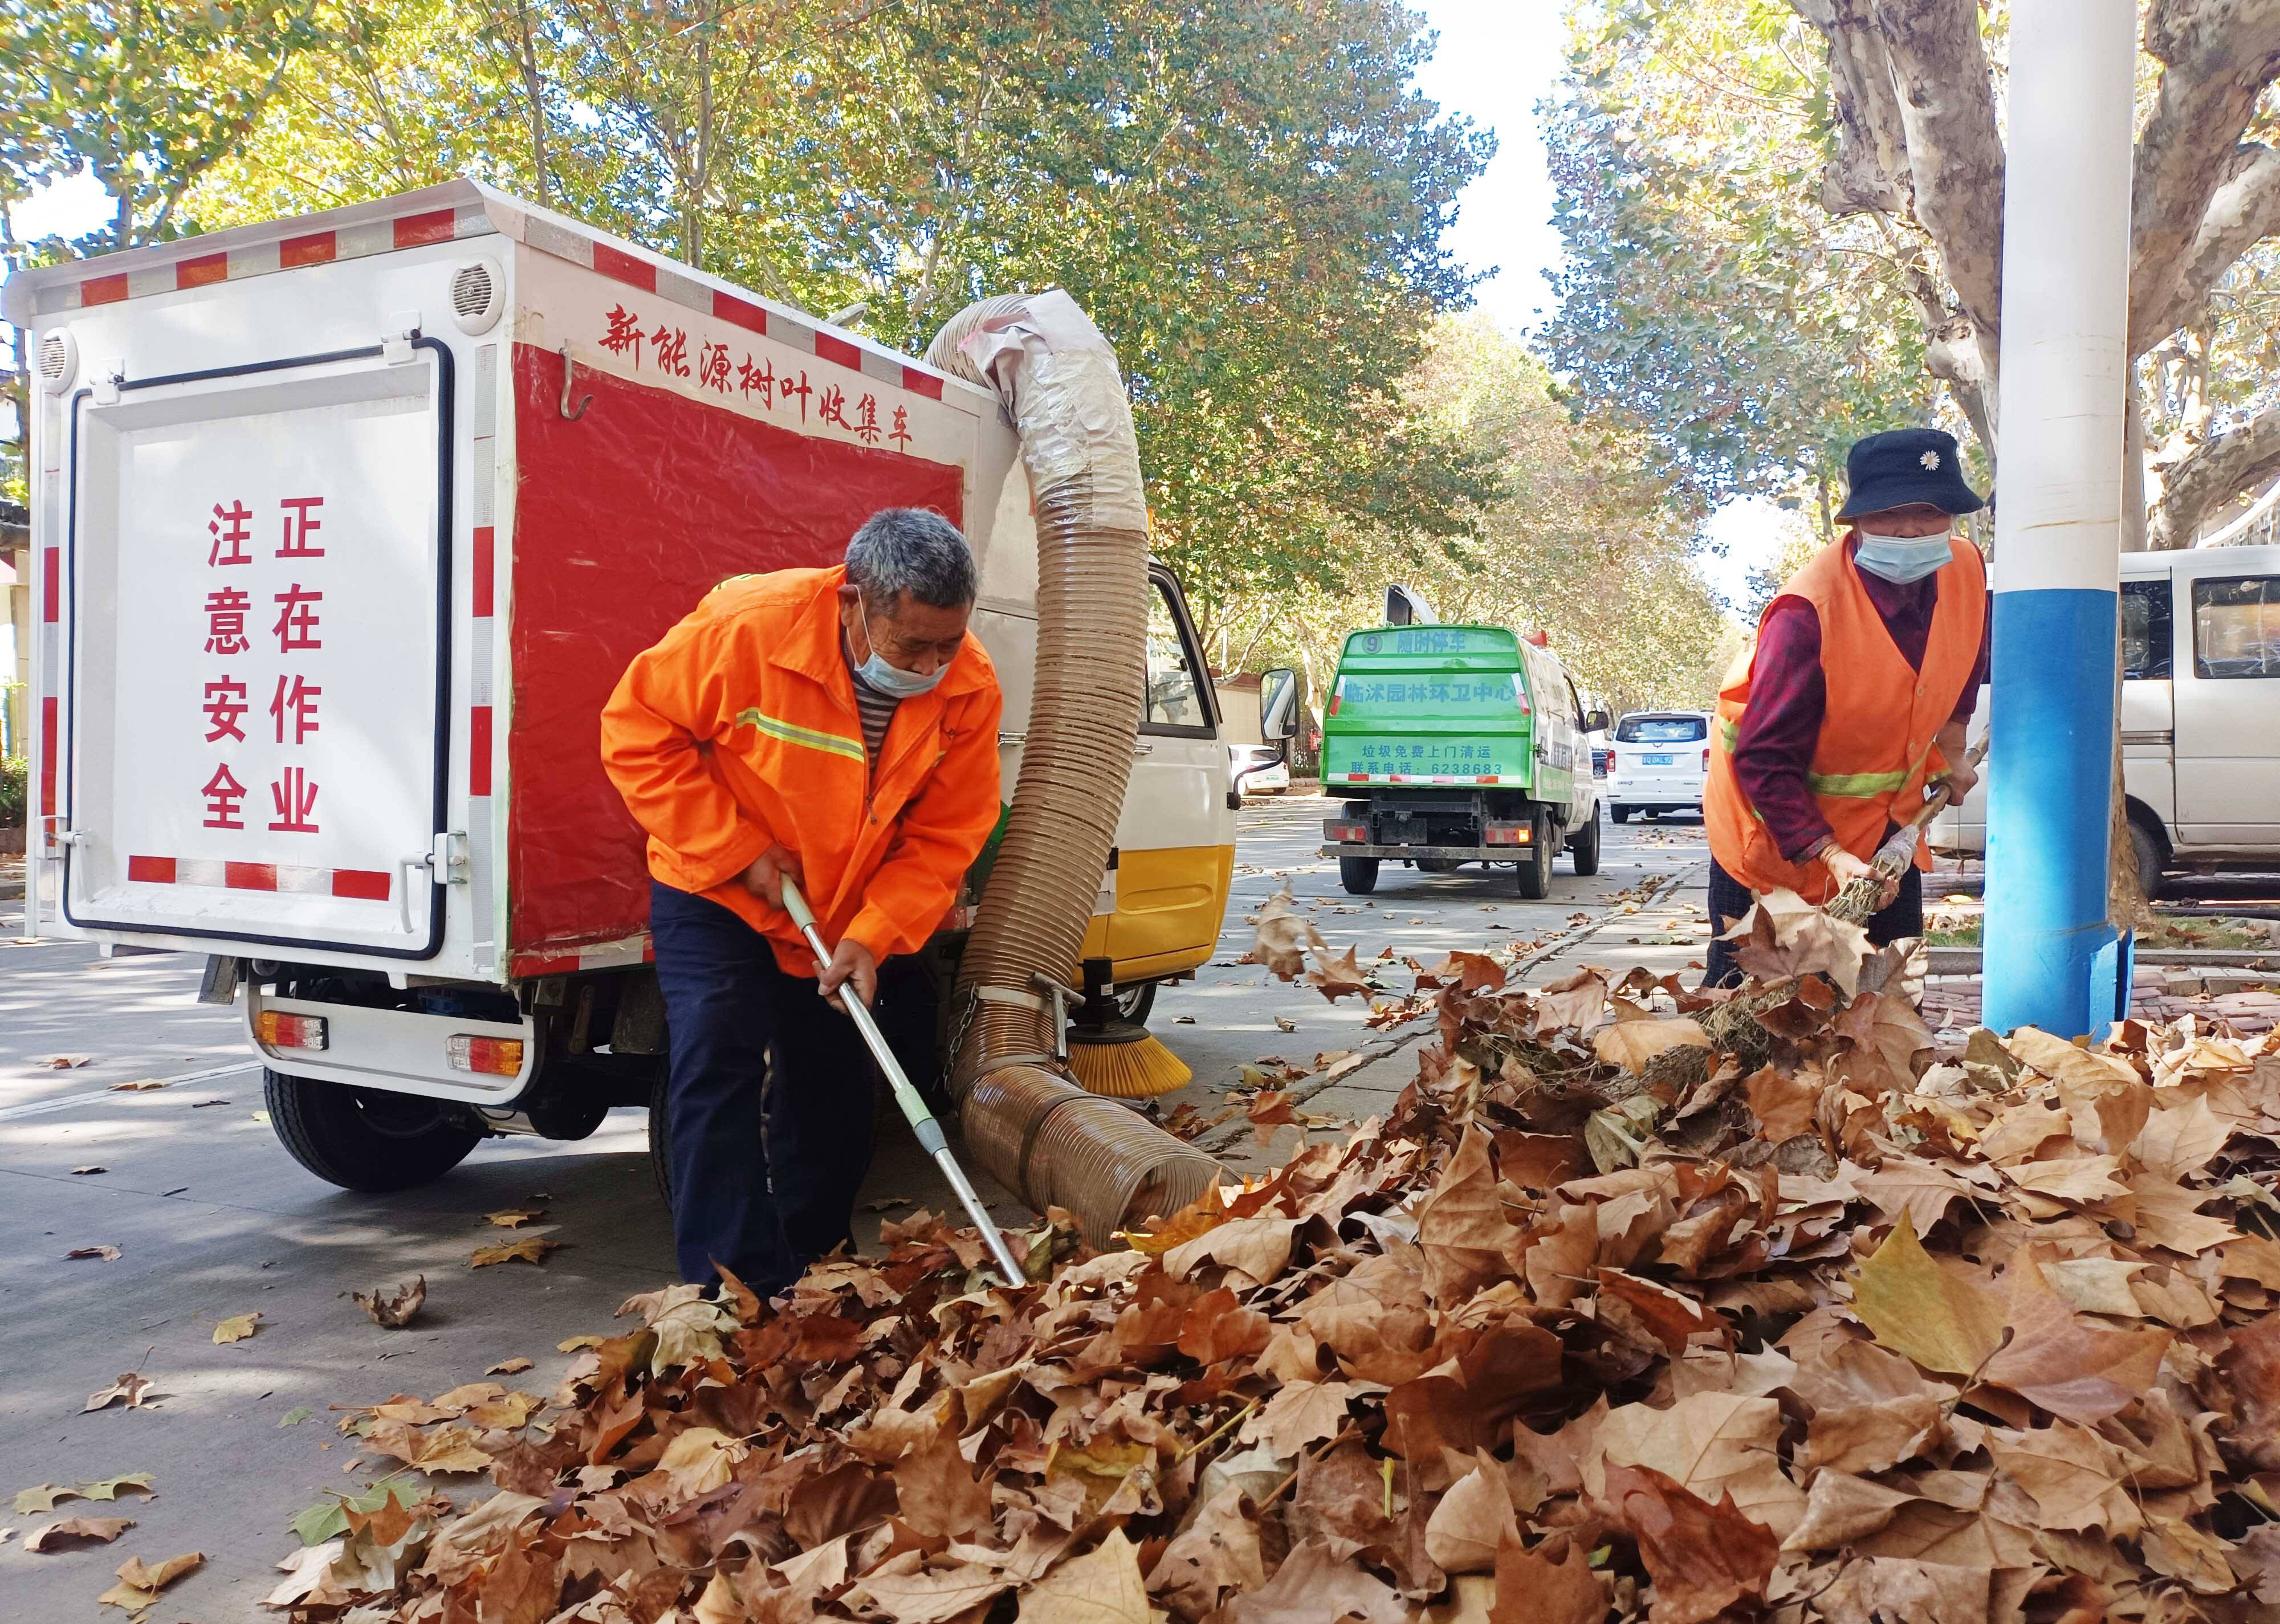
[1731,899]
[772,1093]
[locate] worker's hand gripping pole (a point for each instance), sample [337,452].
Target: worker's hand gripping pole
[929,1132]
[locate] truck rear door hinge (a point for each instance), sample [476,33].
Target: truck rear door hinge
[396,333]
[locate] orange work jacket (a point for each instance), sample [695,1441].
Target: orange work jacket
[739,732]
[1875,751]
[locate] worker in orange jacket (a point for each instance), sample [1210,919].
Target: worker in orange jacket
[1855,697]
[839,727]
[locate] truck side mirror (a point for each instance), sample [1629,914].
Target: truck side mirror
[1595,721]
[1278,705]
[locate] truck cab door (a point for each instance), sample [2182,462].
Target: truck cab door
[2148,713]
[1176,836]
[2228,702]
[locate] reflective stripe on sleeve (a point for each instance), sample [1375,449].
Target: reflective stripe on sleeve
[830,744]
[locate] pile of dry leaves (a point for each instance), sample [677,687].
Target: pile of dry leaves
[1856,1330]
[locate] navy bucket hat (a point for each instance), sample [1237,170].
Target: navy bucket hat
[1903,466]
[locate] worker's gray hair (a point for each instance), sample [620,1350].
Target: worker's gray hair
[908,550]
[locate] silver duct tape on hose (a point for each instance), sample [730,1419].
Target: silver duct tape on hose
[1025,1121]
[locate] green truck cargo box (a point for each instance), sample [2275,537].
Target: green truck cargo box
[1456,744]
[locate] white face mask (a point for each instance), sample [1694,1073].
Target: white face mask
[1903,559]
[893,679]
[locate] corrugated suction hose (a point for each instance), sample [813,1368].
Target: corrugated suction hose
[1025,1121]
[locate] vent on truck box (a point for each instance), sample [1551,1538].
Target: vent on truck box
[59,359]
[476,296]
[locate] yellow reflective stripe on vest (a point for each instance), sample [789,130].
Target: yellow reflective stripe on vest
[1843,786]
[830,744]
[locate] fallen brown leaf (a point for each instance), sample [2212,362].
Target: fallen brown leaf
[70,1533]
[530,1249]
[393,1309]
[128,1388]
[107,1254]
[237,1327]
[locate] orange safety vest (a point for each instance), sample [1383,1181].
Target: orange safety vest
[1876,751]
[739,731]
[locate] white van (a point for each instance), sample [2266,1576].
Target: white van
[2200,713]
[1659,763]
[342,530]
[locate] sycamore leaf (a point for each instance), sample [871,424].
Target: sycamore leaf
[69,1533]
[2073,1367]
[530,1249]
[1102,1587]
[1914,1306]
[128,1388]
[140,1582]
[1282,937]
[1783,936]
[237,1327]
[514,1366]
[42,1499]
[295,1416]
[107,1254]
[1334,977]
[570,1344]
[393,1310]
[112,1487]
[514,1218]
[1632,1044]
[1703,1558]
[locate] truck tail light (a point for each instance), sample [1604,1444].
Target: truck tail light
[1333,710]
[1706,759]
[500,1057]
[1510,834]
[1519,692]
[1334,828]
[275,1029]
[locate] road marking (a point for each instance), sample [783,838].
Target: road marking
[38,1108]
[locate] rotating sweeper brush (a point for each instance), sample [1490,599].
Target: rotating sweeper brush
[1111,1055]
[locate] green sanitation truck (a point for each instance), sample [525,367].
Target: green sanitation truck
[1457,744]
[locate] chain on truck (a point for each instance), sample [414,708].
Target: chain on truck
[344,527]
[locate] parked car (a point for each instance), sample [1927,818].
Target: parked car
[1258,714]
[2200,714]
[1659,763]
[1258,769]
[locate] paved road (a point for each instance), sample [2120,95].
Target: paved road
[212,1219]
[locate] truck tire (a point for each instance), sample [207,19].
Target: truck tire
[2152,853]
[1584,846]
[1535,865]
[1622,814]
[1358,874]
[1134,1004]
[366,1139]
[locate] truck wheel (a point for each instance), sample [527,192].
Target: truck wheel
[366,1139]
[1358,874]
[1622,814]
[661,1143]
[2152,854]
[1584,846]
[1535,865]
[1134,1004]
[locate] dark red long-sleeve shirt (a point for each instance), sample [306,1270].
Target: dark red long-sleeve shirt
[1788,695]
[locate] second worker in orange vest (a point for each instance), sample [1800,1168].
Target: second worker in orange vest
[1854,697]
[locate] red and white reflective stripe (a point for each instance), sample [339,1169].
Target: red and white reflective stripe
[1421,778]
[412,230]
[598,955]
[364,884]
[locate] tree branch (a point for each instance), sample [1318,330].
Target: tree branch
[2243,211]
[1870,169]
[2213,474]
[2217,55]
[1947,108]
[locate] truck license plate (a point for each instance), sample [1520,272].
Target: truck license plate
[1655,761]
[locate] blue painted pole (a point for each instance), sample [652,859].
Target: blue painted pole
[2049,950]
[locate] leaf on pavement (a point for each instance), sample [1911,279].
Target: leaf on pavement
[143,1087]
[530,1249]
[1912,1305]
[508,1367]
[108,1254]
[42,1499]
[65,1062]
[140,1582]
[514,1218]
[127,1388]
[237,1327]
[570,1344]
[295,1416]
[1334,977]
[70,1533]
[1102,1587]
[81,1173]
[393,1309]
[112,1487]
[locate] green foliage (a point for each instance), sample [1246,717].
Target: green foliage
[1581,539]
[1248,199]
[15,776]
[1705,291]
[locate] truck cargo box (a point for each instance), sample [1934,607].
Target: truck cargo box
[344,527]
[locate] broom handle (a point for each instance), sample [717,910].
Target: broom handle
[930,1137]
[1900,849]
